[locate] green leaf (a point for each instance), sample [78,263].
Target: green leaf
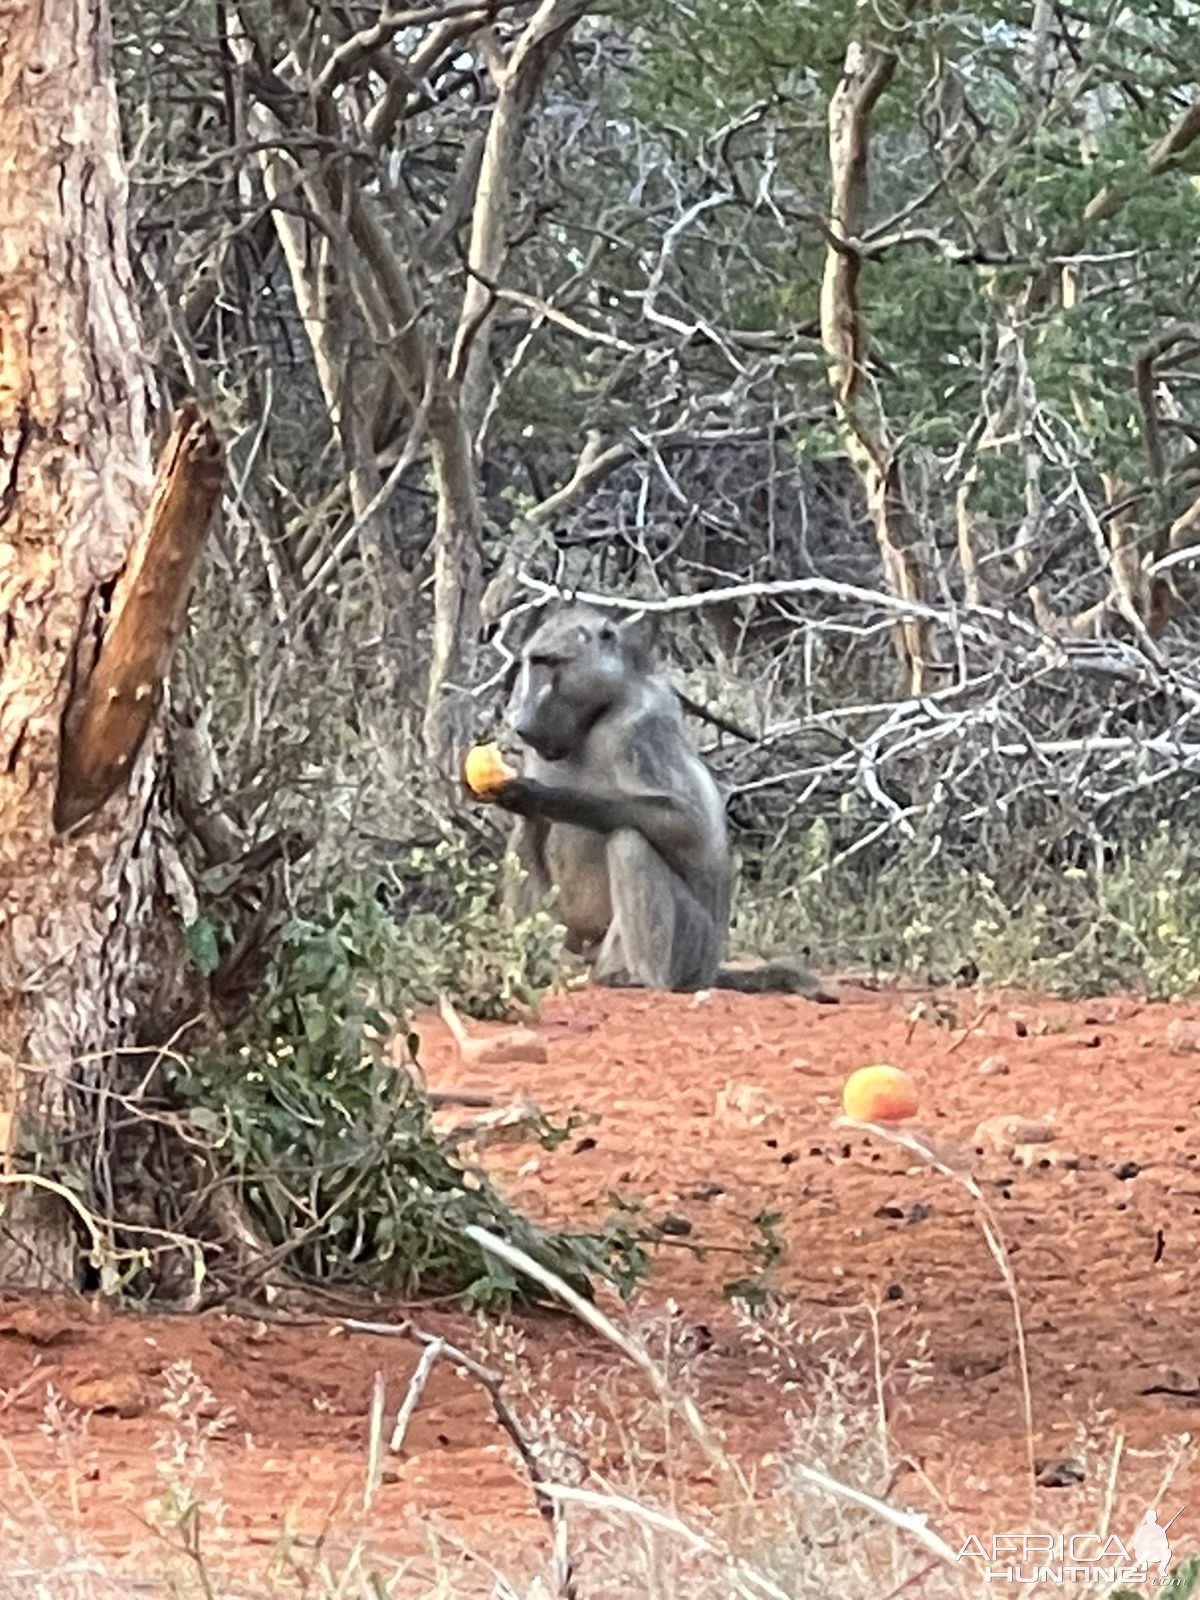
[201,938]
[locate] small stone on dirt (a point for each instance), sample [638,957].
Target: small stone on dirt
[747,1104]
[1183,1036]
[1040,1155]
[694,1340]
[973,1366]
[1064,1472]
[514,1046]
[122,1394]
[1175,1380]
[704,1191]
[1002,1134]
[517,1123]
[675,1227]
[994,1067]
[1126,1169]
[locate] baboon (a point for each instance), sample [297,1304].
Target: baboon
[620,815]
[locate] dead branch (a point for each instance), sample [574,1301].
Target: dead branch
[517,83]
[1025,395]
[362,47]
[776,588]
[110,708]
[592,468]
[493,1386]
[457,579]
[1145,378]
[400,330]
[715,720]
[407,82]
[458,200]
[332,559]
[547,312]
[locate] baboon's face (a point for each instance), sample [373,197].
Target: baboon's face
[573,668]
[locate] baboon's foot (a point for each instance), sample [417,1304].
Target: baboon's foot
[619,978]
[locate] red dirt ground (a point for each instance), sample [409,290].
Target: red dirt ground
[1104,1258]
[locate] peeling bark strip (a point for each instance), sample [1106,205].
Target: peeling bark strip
[865,76]
[109,713]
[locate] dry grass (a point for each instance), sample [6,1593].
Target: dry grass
[678,1519]
[822,1519]
[642,1530]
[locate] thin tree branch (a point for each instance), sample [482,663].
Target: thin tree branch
[486,252]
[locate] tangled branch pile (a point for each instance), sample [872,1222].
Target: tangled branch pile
[862,345]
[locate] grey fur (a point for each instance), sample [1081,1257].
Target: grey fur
[620,815]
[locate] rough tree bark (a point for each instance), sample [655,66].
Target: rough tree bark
[95,565]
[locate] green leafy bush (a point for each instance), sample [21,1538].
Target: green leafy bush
[457,934]
[328,1144]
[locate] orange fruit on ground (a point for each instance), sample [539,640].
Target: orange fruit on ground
[879,1094]
[485,768]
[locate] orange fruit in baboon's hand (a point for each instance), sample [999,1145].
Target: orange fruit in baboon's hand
[879,1094]
[485,768]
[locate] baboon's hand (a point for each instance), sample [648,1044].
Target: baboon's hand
[518,795]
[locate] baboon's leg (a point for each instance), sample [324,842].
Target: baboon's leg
[660,936]
[609,966]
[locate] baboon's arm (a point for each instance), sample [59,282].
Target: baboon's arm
[663,820]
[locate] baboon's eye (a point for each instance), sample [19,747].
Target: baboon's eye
[608,633]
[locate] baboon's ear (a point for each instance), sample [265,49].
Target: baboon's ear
[639,636]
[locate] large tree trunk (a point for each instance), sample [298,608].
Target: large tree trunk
[93,580]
